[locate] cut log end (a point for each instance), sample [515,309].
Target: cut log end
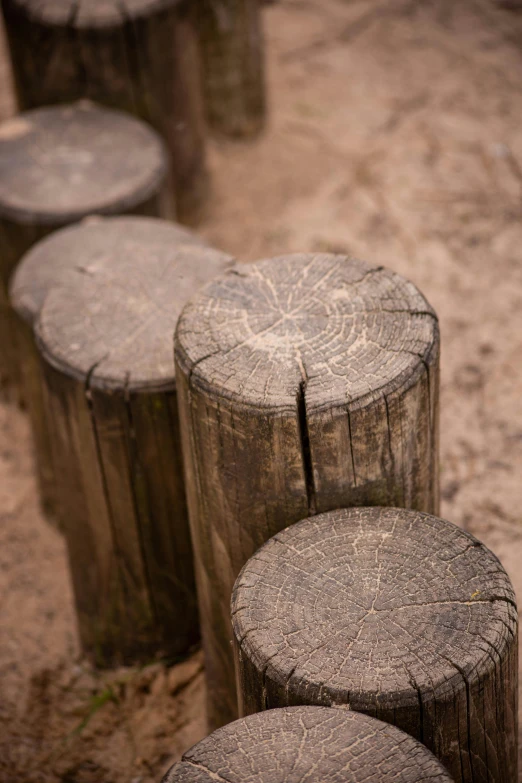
[393,613]
[308,743]
[113,328]
[60,164]
[78,252]
[333,326]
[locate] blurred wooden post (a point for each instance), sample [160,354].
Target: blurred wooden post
[306,383]
[106,344]
[58,165]
[308,743]
[232,48]
[393,613]
[140,56]
[52,263]
[509,5]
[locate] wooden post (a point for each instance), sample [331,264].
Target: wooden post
[393,613]
[308,743]
[306,383]
[58,165]
[106,344]
[231,38]
[52,263]
[140,56]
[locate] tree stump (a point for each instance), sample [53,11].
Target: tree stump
[110,393]
[308,743]
[306,382]
[53,262]
[140,56]
[58,165]
[232,47]
[393,613]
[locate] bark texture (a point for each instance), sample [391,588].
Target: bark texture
[312,744]
[400,615]
[233,65]
[110,394]
[306,383]
[60,261]
[140,56]
[58,165]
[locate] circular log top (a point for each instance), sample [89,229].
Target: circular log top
[346,330]
[312,744]
[91,13]
[54,260]
[113,324]
[60,164]
[373,606]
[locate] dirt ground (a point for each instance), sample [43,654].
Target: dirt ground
[395,134]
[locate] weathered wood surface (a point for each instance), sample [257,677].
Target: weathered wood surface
[232,47]
[58,165]
[313,744]
[110,393]
[390,612]
[60,260]
[140,56]
[306,383]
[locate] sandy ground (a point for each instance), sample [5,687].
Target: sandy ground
[395,134]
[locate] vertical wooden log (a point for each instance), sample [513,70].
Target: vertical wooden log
[393,613]
[58,165]
[231,38]
[140,56]
[306,383]
[105,339]
[310,744]
[55,262]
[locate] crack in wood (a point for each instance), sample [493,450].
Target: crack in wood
[306,449]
